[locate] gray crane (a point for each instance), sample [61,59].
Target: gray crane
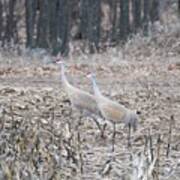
[81,100]
[113,111]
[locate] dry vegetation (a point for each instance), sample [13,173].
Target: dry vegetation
[40,137]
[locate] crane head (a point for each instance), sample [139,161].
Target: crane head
[59,62]
[58,59]
[132,119]
[91,75]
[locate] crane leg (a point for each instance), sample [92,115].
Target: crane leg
[129,135]
[113,137]
[101,129]
[80,119]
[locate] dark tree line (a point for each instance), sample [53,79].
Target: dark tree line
[8,23]
[49,23]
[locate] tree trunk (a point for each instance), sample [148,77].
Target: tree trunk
[43,25]
[124,20]
[1,20]
[114,20]
[84,18]
[136,14]
[10,28]
[63,26]
[53,26]
[154,11]
[94,24]
[31,6]
[146,17]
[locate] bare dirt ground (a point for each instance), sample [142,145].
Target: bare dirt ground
[40,137]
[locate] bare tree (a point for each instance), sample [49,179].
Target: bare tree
[31,6]
[146,17]
[136,7]
[1,20]
[84,18]
[11,28]
[94,24]
[63,23]
[43,24]
[154,11]
[114,20]
[53,26]
[124,19]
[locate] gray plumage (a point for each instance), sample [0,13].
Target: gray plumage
[113,111]
[83,101]
[80,99]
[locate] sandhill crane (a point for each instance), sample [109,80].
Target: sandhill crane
[113,111]
[81,100]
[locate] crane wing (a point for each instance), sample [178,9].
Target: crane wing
[83,100]
[113,111]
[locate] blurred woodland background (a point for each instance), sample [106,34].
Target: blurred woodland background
[53,25]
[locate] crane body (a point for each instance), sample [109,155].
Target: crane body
[113,111]
[81,100]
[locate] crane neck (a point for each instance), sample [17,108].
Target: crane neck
[63,76]
[95,87]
